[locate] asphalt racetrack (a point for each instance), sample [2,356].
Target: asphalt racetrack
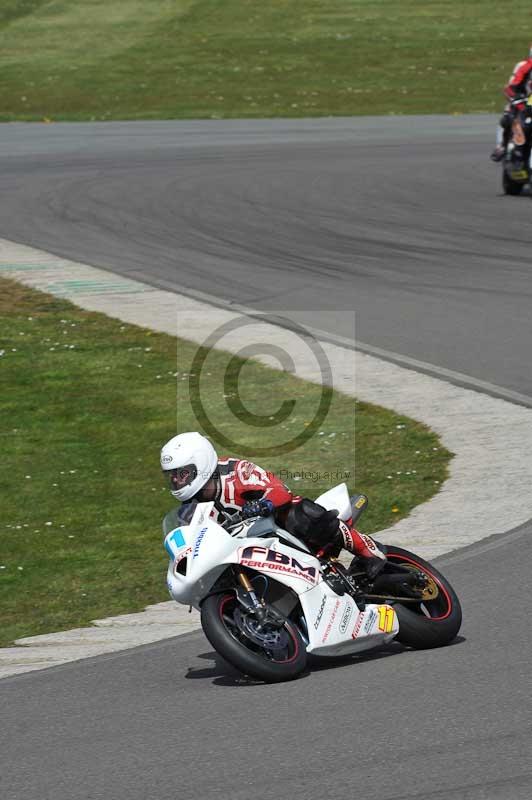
[399,219]
[402,220]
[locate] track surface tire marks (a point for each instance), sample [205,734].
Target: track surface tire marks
[400,219]
[171,718]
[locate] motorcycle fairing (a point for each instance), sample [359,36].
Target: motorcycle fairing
[338,499]
[336,625]
[201,551]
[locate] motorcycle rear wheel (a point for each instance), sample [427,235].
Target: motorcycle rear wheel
[432,623]
[270,655]
[509,186]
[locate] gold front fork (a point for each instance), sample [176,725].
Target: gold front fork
[245,581]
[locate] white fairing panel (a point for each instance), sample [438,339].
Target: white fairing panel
[201,551]
[337,498]
[337,626]
[188,580]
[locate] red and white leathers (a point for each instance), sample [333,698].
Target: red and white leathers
[519,85]
[241,481]
[358,543]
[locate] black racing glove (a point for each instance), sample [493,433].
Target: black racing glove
[257,508]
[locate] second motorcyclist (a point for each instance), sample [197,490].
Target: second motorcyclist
[519,85]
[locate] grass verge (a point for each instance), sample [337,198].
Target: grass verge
[86,403]
[128,59]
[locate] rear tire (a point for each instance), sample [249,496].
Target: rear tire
[226,635]
[432,623]
[509,186]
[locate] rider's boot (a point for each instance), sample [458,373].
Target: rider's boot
[503,137]
[364,548]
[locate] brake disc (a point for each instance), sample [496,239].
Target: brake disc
[267,637]
[430,590]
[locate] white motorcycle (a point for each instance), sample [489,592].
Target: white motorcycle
[267,602]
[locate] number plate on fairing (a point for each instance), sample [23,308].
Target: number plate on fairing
[519,175]
[174,542]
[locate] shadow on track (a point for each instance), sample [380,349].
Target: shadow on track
[223,674]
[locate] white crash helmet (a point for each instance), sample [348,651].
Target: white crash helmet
[189,460]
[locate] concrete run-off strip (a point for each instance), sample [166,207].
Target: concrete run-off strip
[487,492]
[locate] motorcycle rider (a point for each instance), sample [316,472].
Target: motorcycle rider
[196,474]
[519,85]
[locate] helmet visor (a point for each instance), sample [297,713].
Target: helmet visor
[181,477]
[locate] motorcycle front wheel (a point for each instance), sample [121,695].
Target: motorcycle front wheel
[267,652]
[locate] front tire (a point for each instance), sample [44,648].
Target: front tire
[431,623]
[271,655]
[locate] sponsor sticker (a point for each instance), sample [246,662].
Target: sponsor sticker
[272,560]
[198,541]
[346,616]
[368,625]
[328,629]
[386,618]
[370,544]
[320,614]
[346,536]
[166,459]
[358,625]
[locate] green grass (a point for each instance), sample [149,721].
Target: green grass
[132,59]
[87,402]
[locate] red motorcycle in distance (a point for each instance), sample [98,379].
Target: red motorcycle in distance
[516,166]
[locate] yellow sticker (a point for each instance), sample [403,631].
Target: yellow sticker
[386,618]
[361,502]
